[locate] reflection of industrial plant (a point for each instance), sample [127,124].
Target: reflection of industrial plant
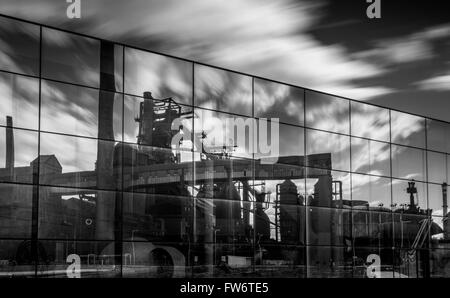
[216,217]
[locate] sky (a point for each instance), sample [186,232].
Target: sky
[400,61]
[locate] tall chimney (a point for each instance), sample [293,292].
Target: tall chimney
[9,164]
[105,209]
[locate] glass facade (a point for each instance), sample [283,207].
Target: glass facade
[119,162]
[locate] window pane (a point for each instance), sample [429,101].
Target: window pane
[142,115]
[435,199]
[402,199]
[448,169]
[329,262]
[74,162]
[97,259]
[162,76]
[370,122]
[274,100]
[440,267]
[286,143]
[438,136]
[327,112]
[284,261]
[19,100]
[20,47]
[372,229]
[371,191]
[18,260]
[224,133]
[222,90]
[362,260]
[70,57]
[436,167]
[167,260]
[77,59]
[149,217]
[408,129]
[285,215]
[75,110]
[408,163]
[329,226]
[406,229]
[157,170]
[18,151]
[334,148]
[68,213]
[326,188]
[15,210]
[371,157]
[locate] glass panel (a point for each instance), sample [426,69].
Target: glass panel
[70,57]
[366,256]
[19,100]
[164,260]
[411,263]
[19,50]
[370,122]
[222,90]
[18,151]
[284,203]
[162,76]
[75,110]
[438,136]
[401,195]
[435,199]
[224,134]
[281,261]
[274,100]
[407,230]
[371,157]
[439,265]
[16,259]
[96,259]
[329,226]
[15,210]
[327,112]
[328,262]
[286,143]
[372,228]
[157,170]
[371,192]
[163,117]
[408,129]
[326,188]
[437,171]
[408,163]
[332,150]
[157,218]
[74,162]
[68,213]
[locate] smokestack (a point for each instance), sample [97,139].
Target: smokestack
[9,164]
[105,209]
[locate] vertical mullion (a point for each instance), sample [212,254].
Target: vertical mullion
[122,164]
[36,174]
[392,193]
[351,187]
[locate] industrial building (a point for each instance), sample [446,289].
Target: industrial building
[89,167]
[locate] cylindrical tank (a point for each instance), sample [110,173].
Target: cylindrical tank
[292,227]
